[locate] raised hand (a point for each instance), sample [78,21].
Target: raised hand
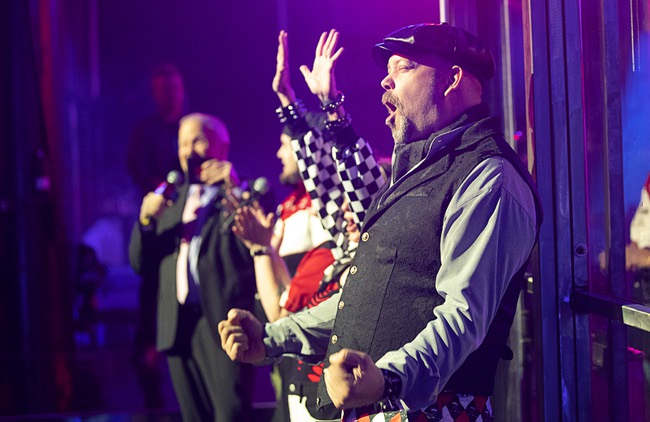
[353,379]
[218,171]
[320,78]
[241,337]
[253,227]
[278,235]
[281,81]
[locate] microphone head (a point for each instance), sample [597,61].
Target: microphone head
[261,185]
[175,177]
[169,188]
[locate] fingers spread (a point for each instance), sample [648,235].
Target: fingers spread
[330,44]
[337,54]
[305,71]
[321,44]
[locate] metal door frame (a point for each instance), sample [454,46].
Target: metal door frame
[563,302]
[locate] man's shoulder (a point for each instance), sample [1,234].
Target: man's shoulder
[298,200]
[498,176]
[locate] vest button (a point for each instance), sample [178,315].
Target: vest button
[317,401]
[365,236]
[353,270]
[292,387]
[335,338]
[341,304]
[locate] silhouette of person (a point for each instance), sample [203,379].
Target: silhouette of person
[152,153]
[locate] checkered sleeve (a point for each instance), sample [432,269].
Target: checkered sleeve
[318,171]
[360,176]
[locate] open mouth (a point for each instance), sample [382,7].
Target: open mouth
[391,110]
[390,107]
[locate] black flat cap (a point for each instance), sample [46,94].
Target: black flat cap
[424,41]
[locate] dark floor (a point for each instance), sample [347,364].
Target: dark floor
[100,380]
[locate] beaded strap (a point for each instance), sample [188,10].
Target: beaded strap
[293,111]
[338,124]
[332,106]
[392,386]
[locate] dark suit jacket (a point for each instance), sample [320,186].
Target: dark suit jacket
[225,268]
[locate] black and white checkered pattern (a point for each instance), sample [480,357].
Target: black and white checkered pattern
[355,173]
[360,176]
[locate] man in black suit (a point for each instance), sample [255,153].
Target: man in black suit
[203,272]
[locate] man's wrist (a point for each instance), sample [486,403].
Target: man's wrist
[389,400]
[286,99]
[330,105]
[146,220]
[272,351]
[291,112]
[392,386]
[259,250]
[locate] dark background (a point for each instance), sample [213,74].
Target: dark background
[74,79]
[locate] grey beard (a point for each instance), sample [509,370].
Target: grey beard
[400,130]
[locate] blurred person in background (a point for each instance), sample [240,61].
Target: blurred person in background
[156,137]
[204,271]
[152,153]
[638,252]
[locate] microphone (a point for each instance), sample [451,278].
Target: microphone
[260,187]
[169,188]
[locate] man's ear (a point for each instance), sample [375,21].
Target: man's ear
[453,79]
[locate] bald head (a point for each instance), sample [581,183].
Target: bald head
[204,136]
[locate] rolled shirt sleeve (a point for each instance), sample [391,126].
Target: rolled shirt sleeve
[304,333]
[489,229]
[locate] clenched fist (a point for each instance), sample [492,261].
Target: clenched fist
[241,337]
